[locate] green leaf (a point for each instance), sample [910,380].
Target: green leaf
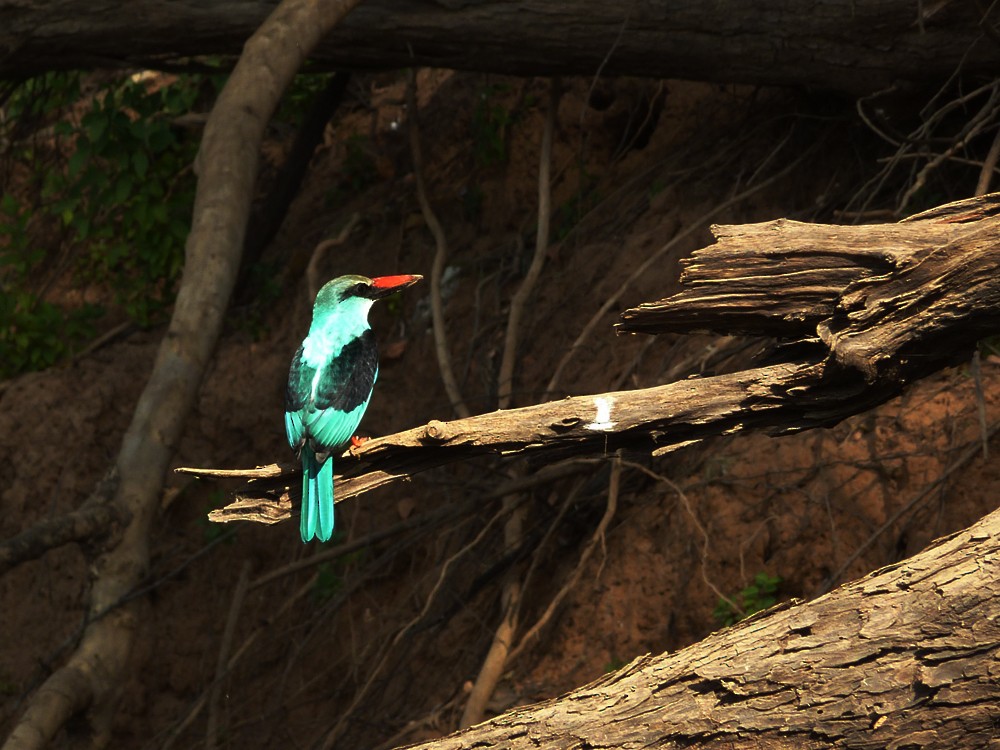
[8,205]
[141,163]
[96,125]
[123,188]
[77,160]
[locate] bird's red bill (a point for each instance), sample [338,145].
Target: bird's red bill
[391,282]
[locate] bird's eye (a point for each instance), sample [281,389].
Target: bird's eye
[357,290]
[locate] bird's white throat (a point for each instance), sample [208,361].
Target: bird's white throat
[332,330]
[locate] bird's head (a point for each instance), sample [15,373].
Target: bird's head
[360,289]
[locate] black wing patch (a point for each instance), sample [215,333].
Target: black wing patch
[347,381]
[299,386]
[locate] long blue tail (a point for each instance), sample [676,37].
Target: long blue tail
[317,515]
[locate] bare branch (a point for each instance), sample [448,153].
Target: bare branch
[440,255]
[523,294]
[96,517]
[989,165]
[872,308]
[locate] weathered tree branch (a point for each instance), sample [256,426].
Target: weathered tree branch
[905,657]
[854,47]
[650,419]
[866,309]
[894,302]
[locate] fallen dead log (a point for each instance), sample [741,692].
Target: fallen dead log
[906,657]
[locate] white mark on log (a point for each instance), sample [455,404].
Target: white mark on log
[603,419]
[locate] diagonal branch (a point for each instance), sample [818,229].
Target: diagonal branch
[868,309]
[96,518]
[780,398]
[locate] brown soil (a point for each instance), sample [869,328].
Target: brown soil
[389,639]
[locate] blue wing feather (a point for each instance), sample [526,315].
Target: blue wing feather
[332,428]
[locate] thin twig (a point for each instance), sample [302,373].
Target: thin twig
[695,226]
[527,288]
[106,338]
[596,539]
[440,255]
[705,541]
[212,730]
[537,556]
[989,164]
[312,270]
[859,106]
[978,123]
[968,455]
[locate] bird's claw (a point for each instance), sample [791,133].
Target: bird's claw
[356,442]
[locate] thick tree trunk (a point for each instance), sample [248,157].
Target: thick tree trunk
[857,47]
[904,658]
[90,680]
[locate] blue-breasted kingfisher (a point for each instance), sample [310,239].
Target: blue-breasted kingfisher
[329,386]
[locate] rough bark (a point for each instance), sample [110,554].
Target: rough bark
[227,162]
[841,44]
[864,311]
[893,302]
[904,658]
[926,279]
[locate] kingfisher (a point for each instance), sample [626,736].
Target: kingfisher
[329,386]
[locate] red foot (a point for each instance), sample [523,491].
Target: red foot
[356,442]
